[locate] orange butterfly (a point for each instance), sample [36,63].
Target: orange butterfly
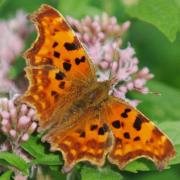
[80,118]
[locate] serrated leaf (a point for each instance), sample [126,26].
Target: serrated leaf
[6,175]
[163,14]
[15,161]
[106,173]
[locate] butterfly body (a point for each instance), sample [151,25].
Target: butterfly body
[84,122]
[97,93]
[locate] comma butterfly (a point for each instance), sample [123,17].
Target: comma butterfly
[80,118]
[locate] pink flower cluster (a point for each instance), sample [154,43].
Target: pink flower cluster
[102,37]
[17,122]
[13,33]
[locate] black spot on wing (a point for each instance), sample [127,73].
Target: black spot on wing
[116,124]
[72,46]
[56,54]
[93,127]
[137,123]
[55,44]
[126,135]
[67,66]
[80,60]
[125,113]
[127,110]
[62,85]
[60,75]
[82,134]
[102,130]
[55,95]
[137,138]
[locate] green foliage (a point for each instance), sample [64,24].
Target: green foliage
[154,50]
[160,108]
[10,7]
[40,152]
[80,10]
[15,161]
[172,173]
[1,2]
[106,173]
[163,14]
[6,175]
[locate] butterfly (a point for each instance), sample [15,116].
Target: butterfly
[77,113]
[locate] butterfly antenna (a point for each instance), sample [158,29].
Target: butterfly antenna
[147,92]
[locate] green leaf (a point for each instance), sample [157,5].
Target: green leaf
[83,8]
[106,173]
[34,147]
[37,149]
[6,175]
[163,14]
[140,165]
[52,172]
[15,161]
[1,2]
[10,7]
[155,51]
[176,160]
[160,108]
[48,160]
[172,173]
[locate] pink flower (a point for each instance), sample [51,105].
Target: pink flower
[102,37]
[13,33]
[17,122]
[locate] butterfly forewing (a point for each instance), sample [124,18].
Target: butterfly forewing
[58,66]
[89,139]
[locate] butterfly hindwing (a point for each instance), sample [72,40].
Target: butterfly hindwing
[88,139]
[135,136]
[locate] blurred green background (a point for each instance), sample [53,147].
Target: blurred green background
[154,50]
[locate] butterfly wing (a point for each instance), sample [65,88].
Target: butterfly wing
[58,66]
[88,139]
[135,136]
